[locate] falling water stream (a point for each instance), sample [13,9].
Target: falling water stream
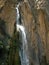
[23,52]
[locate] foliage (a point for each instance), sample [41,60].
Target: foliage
[9,47]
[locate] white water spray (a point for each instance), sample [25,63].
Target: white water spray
[23,52]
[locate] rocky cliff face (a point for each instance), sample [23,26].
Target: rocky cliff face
[35,20]
[8,14]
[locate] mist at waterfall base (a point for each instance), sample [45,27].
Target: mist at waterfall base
[23,51]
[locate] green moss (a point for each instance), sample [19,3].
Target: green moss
[9,47]
[14,58]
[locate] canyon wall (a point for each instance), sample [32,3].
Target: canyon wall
[36,23]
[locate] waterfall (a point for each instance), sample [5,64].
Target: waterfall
[23,52]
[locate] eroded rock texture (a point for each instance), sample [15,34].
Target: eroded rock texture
[35,19]
[35,22]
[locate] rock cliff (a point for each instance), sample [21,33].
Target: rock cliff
[35,19]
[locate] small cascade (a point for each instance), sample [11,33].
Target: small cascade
[23,52]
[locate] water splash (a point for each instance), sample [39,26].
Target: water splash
[23,52]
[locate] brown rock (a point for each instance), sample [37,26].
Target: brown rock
[8,14]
